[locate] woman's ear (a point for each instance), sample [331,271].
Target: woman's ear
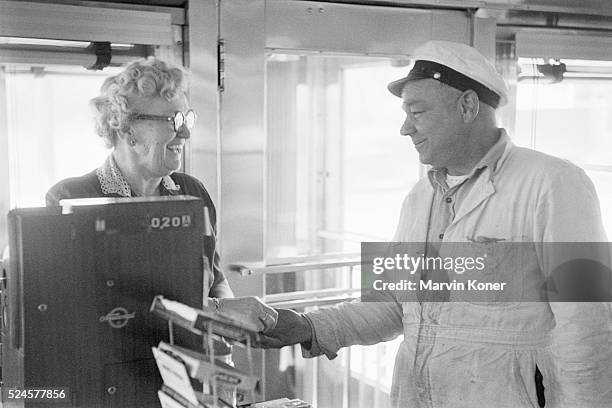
[127,135]
[468,105]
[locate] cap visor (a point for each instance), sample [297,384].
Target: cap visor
[396,87]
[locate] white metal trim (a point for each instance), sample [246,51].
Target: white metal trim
[67,22]
[559,45]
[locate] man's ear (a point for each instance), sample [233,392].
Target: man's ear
[468,105]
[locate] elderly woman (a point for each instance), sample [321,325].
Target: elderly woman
[144,117]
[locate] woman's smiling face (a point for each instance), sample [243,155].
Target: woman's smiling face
[158,146]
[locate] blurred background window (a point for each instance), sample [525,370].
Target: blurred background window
[563,108]
[338,171]
[51,132]
[338,168]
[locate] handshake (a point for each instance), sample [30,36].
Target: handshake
[277,327]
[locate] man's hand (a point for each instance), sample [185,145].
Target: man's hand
[249,309]
[291,328]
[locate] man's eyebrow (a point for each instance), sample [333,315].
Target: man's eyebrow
[413,101]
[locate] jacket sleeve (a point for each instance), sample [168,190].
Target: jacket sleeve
[356,323]
[53,197]
[569,217]
[85,186]
[220,287]
[58,192]
[352,323]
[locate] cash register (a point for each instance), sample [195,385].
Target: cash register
[78,289]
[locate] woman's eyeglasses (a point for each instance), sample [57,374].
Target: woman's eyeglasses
[178,120]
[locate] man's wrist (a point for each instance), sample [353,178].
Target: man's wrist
[307,343]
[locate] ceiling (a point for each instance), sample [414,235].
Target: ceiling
[594,7]
[584,7]
[170,3]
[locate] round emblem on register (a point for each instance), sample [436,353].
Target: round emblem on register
[117,318]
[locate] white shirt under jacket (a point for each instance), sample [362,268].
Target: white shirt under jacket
[462,354]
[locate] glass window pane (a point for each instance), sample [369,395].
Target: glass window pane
[380,166]
[338,169]
[603,185]
[51,128]
[571,119]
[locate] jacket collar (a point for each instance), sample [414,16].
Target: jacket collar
[112,180]
[490,161]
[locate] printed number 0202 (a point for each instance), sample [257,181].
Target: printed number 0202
[176,221]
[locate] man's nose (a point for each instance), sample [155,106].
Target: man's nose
[408,127]
[183,133]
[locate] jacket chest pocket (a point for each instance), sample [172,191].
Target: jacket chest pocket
[493,270]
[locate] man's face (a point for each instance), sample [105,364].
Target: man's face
[433,122]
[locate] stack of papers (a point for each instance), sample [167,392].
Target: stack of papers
[177,390]
[282,403]
[179,366]
[200,321]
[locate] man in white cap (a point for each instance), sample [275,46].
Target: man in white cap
[480,189]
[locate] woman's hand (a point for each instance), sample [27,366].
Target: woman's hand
[250,309]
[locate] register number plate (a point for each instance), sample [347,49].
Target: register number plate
[126,224]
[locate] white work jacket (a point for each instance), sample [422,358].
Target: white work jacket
[470,354]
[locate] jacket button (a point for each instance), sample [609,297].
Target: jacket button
[449,200]
[441,236]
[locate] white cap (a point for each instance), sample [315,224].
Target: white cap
[459,57]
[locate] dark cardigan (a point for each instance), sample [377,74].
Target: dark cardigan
[88,186]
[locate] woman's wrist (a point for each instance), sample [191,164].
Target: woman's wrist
[215,303]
